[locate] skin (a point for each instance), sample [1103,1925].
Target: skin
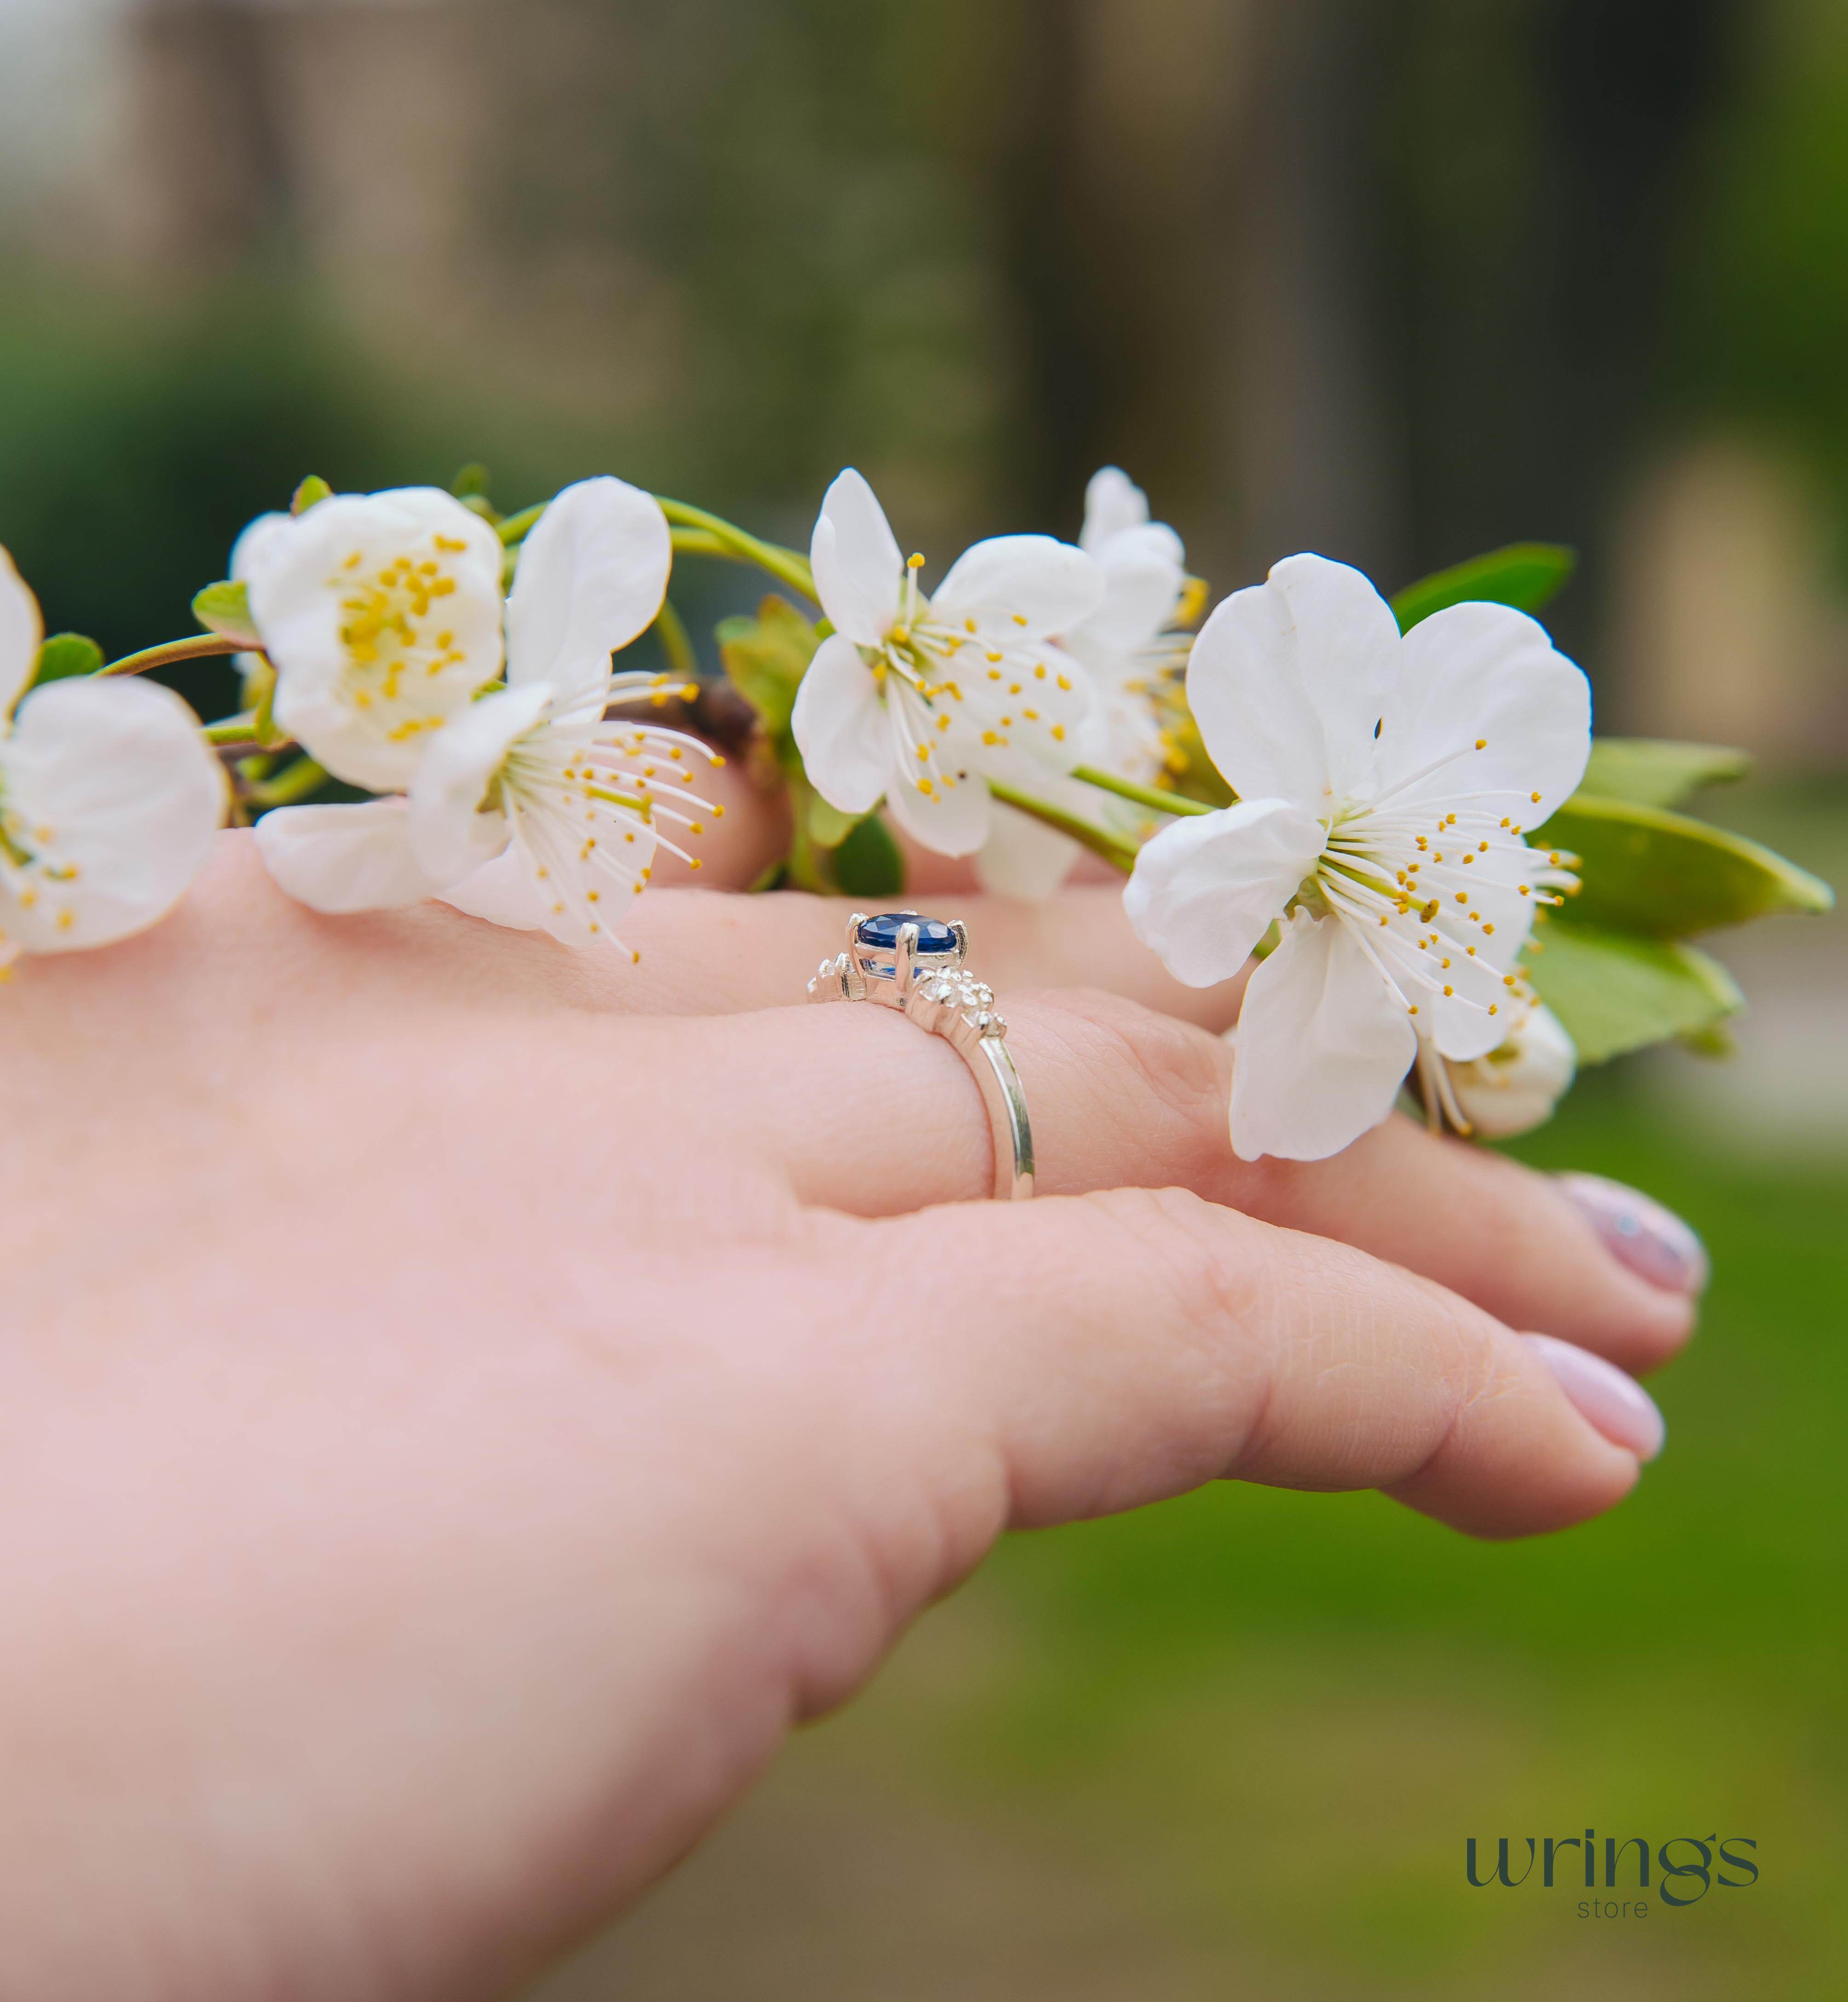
[465,1402]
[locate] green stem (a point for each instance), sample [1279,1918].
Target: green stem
[1120,854]
[264,721]
[803,862]
[233,730]
[203,647]
[697,542]
[670,629]
[516,527]
[696,533]
[301,780]
[1141,796]
[784,565]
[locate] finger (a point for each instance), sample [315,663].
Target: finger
[1122,1348]
[707,954]
[1122,1097]
[701,952]
[1514,1241]
[928,875]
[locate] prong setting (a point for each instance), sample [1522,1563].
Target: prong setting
[905,961]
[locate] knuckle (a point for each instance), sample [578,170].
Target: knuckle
[1202,1261]
[1179,1069]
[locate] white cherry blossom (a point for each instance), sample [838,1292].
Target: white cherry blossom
[1383,785]
[1127,646]
[1130,643]
[246,553]
[382,615]
[526,807]
[110,797]
[919,700]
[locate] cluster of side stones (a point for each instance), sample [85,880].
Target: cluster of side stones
[972,998]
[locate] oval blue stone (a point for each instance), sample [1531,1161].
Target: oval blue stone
[881,933]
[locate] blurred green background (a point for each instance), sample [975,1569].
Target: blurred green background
[1396,280]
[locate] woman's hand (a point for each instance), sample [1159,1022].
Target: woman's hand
[456,1423]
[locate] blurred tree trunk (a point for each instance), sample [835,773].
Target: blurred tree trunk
[1184,198]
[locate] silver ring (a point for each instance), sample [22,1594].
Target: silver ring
[896,959]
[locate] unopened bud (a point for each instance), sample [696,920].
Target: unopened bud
[1515,1087]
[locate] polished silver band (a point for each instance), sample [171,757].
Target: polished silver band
[933,988]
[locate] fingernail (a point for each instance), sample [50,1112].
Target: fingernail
[1617,1405]
[1653,1242]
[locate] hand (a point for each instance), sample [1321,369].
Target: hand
[455,1425]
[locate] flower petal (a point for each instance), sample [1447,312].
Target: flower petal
[1289,678]
[953,819]
[1050,585]
[253,539]
[1143,579]
[504,893]
[342,859]
[1207,889]
[1322,1048]
[841,729]
[1113,504]
[383,615]
[453,826]
[21,633]
[1022,858]
[246,554]
[1485,671]
[115,797]
[1463,1001]
[591,578]
[1114,508]
[859,569]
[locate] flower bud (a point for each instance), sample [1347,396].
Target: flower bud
[1515,1087]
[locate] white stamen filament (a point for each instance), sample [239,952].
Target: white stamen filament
[1411,872]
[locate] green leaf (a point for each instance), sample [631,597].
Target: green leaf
[471,483]
[828,826]
[1526,575]
[64,654]
[1616,993]
[1651,771]
[225,608]
[1660,874]
[313,490]
[765,658]
[868,863]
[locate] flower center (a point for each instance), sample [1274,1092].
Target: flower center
[1418,886]
[28,864]
[981,663]
[401,652]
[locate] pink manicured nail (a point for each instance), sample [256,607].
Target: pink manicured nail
[1653,1242]
[1617,1405]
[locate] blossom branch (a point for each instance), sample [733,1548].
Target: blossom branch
[202,647]
[671,629]
[787,565]
[301,781]
[1119,853]
[234,733]
[1175,805]
[696,532]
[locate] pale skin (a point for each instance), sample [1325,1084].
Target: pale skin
[465,1402]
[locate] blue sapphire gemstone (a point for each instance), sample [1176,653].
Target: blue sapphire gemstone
[881,934]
